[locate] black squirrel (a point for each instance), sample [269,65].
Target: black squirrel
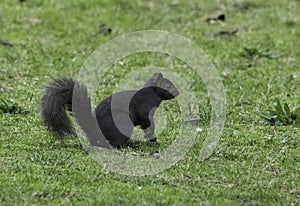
[116,115]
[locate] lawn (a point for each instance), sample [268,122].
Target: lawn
[256,56]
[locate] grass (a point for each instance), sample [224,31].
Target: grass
[253,164]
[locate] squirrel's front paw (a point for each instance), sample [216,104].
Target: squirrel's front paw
[153,141]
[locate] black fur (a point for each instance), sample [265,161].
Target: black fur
[116,116]
[56,100]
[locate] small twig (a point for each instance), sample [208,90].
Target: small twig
[5,43]
[220,33]
[104,30]
[194,122]
[221,17]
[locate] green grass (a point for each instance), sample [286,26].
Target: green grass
[253,164]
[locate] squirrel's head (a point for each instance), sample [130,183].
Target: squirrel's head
[164,87]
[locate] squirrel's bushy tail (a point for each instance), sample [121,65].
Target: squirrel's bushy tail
[55,102]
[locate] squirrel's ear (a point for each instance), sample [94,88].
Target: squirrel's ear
[157,77]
